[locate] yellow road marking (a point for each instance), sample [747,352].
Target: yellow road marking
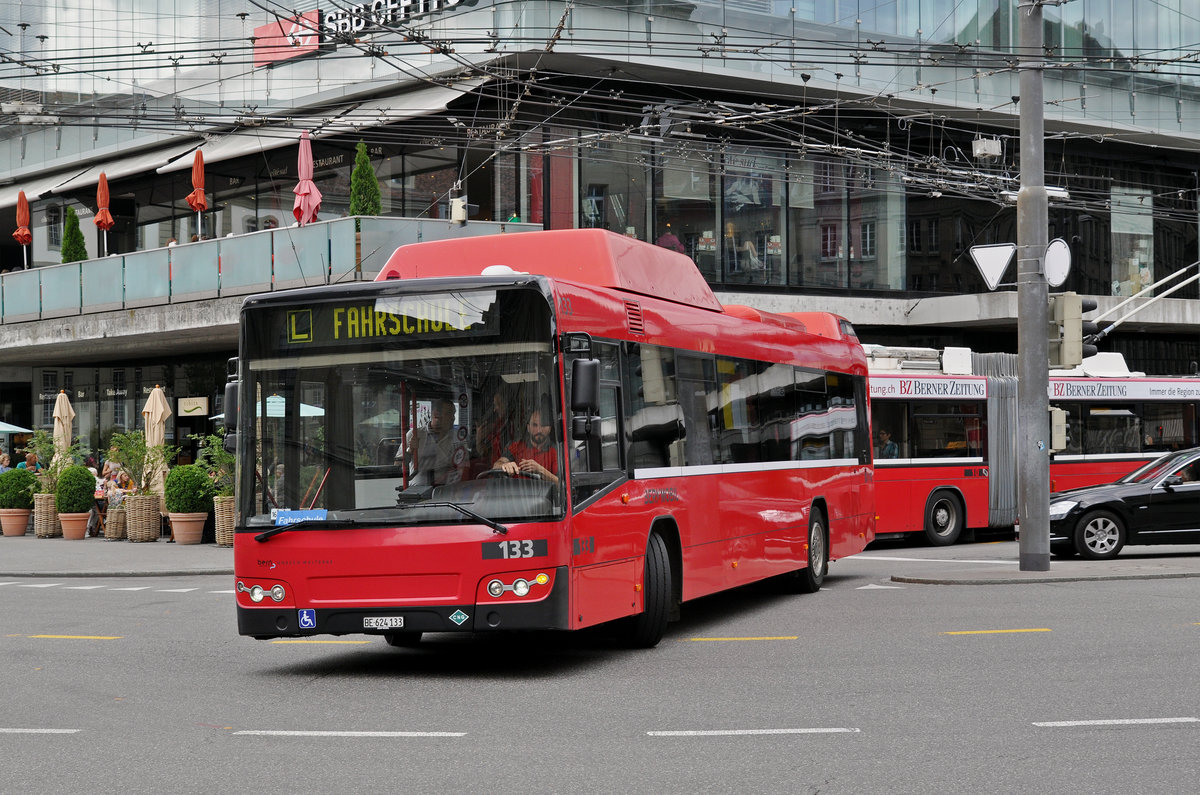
[778,637]
[80,637]
[991,632]
[343,642]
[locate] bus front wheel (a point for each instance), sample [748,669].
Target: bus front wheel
[943,519]
[646,629]
[810,578]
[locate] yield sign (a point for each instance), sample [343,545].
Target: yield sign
[992,261]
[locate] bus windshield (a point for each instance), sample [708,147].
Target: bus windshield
[387,406]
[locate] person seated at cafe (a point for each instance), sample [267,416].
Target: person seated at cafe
[30,462]
[5,462]
[117,483]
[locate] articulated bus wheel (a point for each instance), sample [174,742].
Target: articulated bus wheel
[943,518]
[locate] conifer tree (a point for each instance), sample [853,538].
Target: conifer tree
[74,249]
[365,198]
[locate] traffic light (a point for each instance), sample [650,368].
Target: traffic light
[1060,431]
[1066,331]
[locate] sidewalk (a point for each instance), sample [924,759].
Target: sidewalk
[998,564]
[30,556]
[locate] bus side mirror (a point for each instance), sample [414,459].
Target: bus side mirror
[230,418]
[585,385]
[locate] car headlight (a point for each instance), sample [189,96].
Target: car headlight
[1061,508]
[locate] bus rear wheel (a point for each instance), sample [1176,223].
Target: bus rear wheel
[943,519]
[810,578]
[646,629]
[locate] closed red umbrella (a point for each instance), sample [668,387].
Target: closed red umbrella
[196,198]
[23,235]
[103,219]
[308,198]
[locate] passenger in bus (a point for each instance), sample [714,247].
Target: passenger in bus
[439,458]
[535,454]
[497,429]
[887,448]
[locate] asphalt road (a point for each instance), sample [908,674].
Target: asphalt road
[868,686]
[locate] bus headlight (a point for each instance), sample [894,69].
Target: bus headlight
[521,587]
[277,593]
[495,588]
[256,593]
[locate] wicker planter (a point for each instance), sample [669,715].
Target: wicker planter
[15,521]
[74,525]
[45,517]
[226,511]
[143,521]
[188,528]
[114,524]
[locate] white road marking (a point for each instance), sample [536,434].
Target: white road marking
[740,732]
[42,585]
[136,588]
[229,591]
[278,733]
[874,587]
[14,582]
[1057,724]
[38,731]
[176,590]
[934,560]
[82,587]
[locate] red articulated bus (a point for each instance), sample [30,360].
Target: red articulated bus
[947,466]
[548,430]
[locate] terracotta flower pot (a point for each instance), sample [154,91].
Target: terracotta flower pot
[74,525]
[188,528]
[14,520]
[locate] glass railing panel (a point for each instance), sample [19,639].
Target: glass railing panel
[301,256]
[246,263]
[342,239]
[194,270]
[22,295]
[60,290]
[103,284]
[147,278]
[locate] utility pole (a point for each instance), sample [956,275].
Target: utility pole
[1033,457]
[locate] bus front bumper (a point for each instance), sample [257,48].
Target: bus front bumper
[550,612]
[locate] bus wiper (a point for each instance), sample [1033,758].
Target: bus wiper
[283,528]
[492,523]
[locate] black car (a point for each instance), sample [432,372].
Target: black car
[1157,504]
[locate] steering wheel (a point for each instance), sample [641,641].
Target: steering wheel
[500,473]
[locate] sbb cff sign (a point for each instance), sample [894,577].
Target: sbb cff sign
[377,14]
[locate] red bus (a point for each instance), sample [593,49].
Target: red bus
[948,466]
[659,446]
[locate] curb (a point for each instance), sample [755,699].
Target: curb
[1035,580]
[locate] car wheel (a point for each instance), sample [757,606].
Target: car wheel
[943,519]
[1099,535]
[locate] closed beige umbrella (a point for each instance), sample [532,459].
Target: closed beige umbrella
[64,417]
[155,412]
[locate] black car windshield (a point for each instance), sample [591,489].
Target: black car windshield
[1159,467]
[388,399]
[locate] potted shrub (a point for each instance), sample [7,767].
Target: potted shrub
[189,497]
[142,463]
[74,497]
[51,463]
[16,500]
[220,465]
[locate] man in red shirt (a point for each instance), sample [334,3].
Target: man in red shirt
[534,455]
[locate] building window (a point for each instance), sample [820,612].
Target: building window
[825,177]
[933,236]
[49,392]
[868,239]
[54,226]
[829,240]
[914,236]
